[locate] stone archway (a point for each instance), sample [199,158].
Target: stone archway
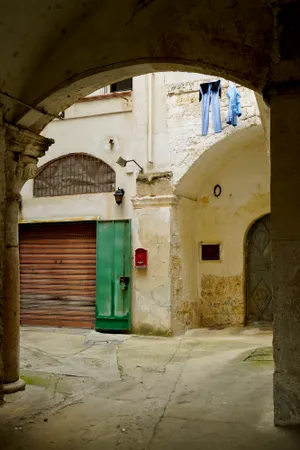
[56,54]
[62,52]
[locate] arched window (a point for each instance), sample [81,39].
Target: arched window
[76,173]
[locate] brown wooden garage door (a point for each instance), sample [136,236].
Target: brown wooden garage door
[58,274]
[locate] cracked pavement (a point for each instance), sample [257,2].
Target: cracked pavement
[99,391]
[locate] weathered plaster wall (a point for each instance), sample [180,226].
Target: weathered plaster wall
[88,127]
[195,161]
[244,178]
[151,304]
[183,266]
[158,131]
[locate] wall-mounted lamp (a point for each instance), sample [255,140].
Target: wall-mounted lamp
[122,162]
[119,194]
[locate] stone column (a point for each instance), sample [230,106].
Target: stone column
[23,148]
[2,240]
[285,226]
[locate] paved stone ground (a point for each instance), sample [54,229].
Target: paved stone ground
[205,390]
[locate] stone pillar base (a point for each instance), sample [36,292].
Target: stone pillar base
[16,386]
[286,400]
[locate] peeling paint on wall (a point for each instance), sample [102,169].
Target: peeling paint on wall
[183,266]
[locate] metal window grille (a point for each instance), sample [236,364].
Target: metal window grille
[72,175]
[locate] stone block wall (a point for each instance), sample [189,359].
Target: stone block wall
[184,121]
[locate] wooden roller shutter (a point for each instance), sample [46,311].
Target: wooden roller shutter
[58,274]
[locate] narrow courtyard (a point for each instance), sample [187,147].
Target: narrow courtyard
[208,389]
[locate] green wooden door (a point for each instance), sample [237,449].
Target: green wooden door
[113,275]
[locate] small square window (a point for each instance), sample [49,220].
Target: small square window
[210,252]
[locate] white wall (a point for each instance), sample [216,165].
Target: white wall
[89,134]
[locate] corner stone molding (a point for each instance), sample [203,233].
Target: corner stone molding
[23,148]
[157,201]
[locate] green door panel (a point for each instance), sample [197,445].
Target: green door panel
[105,257]
[113,267]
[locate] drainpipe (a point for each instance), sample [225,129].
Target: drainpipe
[150,118]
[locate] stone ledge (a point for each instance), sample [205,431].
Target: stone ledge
[153,177]
[154,202]
[154,184]
[93,98]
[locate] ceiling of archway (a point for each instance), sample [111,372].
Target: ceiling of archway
[54,52]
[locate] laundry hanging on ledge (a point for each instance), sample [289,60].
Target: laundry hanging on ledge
[210,93]
[234,106]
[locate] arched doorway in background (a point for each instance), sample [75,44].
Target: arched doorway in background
[259,302]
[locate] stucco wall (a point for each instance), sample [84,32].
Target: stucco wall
[151,304]
[183,266]
[244,178]
[81,132]
[88,128]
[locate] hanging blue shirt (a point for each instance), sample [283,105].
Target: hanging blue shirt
[234,106]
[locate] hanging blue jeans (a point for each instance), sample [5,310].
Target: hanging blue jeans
[210,93]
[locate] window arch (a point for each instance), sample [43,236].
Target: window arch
[76,173]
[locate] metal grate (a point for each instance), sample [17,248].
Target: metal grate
[74,174]
[58,274]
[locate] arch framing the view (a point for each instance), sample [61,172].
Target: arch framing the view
[186,39]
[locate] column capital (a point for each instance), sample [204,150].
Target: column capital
[20,140]
[23,148]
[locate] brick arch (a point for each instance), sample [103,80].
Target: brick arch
[73,174]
